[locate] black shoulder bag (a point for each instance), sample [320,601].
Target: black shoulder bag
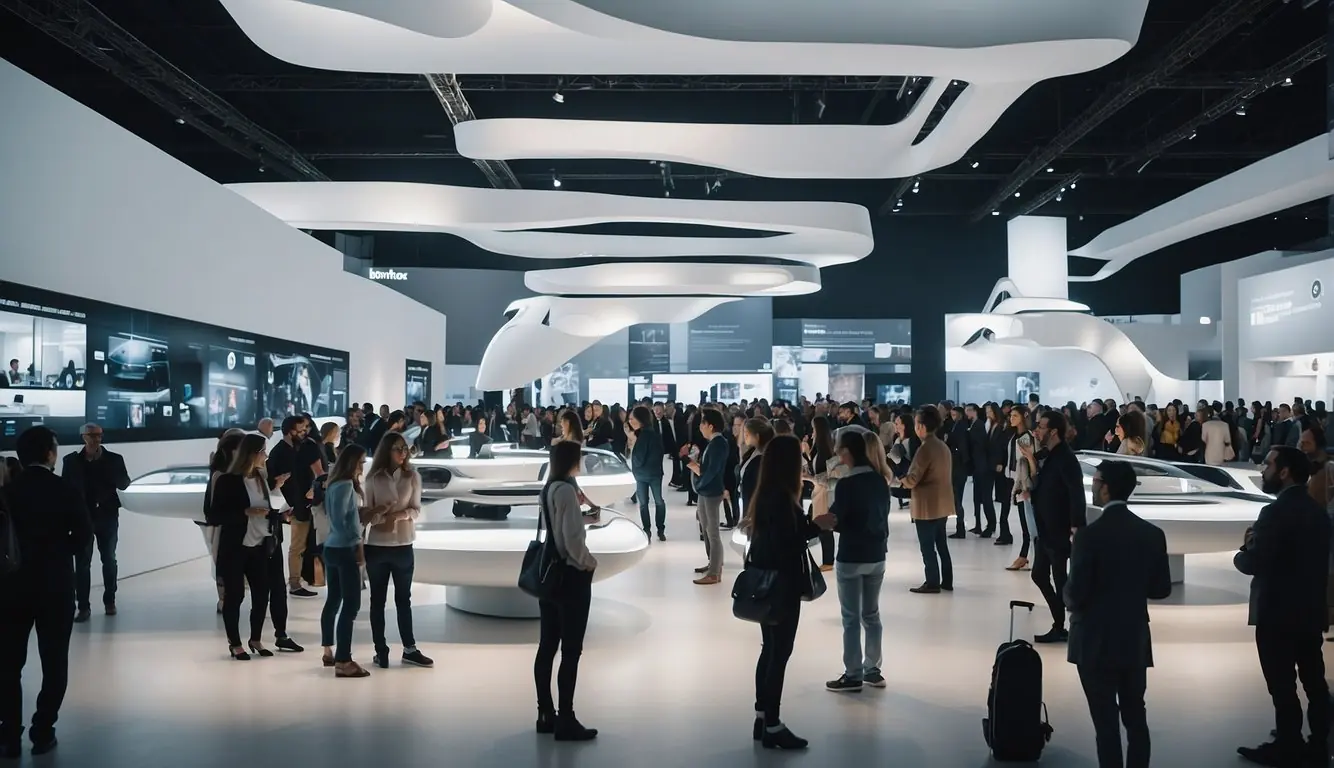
[754,593]
[543,570]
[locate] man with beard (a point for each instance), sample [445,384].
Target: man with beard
[1286,554]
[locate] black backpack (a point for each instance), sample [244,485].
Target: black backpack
[1016,725]
[10,559]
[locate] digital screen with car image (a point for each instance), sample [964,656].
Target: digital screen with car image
[311,381]
[138,383]
[45,346]
[231,386]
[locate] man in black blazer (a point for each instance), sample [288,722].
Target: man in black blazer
[957,441]
[1118,563]
[1058,509]
[99,475]
[1099,424]
[666,423]
[1286,554]
[52,527]
[982,472]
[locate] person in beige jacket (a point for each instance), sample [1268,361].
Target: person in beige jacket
[1217,437]
[932,502]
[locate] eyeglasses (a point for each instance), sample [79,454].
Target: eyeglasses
[400,449]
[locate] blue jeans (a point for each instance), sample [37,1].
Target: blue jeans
[859,599]
[642,489]
[382,565]
[935,551]
[343,577]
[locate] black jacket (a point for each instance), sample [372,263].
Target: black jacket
[108,476]
[1119,562]
[998,447]
[601,433]
[861,504]
[1058,498]
[1096,431]
[52,525]
[646,456]
[1288,562]
[429,438]
[730,477]
[749,478]
[979,449]
[782,546]
[668,433]
[957,440]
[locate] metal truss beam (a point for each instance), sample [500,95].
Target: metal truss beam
[446,88]
[88,32]
[1217,23]
[342,81]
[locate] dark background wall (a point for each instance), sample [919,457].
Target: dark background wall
[923,268]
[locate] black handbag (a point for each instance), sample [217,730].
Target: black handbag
[753,594]
[812,581]
[543,570]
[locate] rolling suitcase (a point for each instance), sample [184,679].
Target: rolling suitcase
[1015,727]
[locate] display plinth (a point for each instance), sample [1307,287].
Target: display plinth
[500,602]
[1176,565]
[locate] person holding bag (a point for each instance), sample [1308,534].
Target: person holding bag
[779,533]
[568,595]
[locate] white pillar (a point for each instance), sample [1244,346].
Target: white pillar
[1038,260]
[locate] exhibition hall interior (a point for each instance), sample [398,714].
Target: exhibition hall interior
[844,382]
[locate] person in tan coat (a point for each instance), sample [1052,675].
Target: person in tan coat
[932,502]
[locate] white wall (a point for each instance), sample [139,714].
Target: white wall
[1202,294]
[88,209]
[1168,346]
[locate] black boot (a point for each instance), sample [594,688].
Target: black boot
[568,728]
[546,720]
[782,739]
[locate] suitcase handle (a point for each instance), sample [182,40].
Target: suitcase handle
[1017,604]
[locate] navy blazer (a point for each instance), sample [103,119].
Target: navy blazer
[712,467]
[1288,562]
[1118,564]
[646,456]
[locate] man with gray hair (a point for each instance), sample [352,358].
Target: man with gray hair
[98,474]
[265,427]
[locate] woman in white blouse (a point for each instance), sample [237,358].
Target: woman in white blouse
[393,486]
[564,616]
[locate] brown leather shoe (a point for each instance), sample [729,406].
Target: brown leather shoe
[704,581]
[350,669]
[826,567]
[1019,564]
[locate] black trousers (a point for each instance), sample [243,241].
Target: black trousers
[1286,656]
[678,466]
[106,534]
[563,625]
[959,480]
[1050,570]
[777,641]
[237,566]
[1116,696]
[983,488]
[51,613]
[827,549]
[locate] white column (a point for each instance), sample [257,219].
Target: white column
[1038,260]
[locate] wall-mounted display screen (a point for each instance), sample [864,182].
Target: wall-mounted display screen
[1286,312]
[417,374]
[650,348]
[893,394]
[982,387]
[856,341]
[736,336]
[145,376]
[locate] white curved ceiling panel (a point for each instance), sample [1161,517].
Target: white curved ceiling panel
[978,41]
[675,279]
[1294,176]
[774,151]
[817,233]
[526,347]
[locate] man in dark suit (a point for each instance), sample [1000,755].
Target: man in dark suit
[1118,562]
[1286,554]
[957,441]
[52,527]
[1099,424]
[99,475]
[1058,509]
[666,423]
[982,471]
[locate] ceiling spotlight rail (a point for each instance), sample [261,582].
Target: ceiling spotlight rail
[457,108]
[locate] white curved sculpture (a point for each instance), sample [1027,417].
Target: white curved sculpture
[980,42]
[479,562]
[546,331]
[816,233]
[1294,176]
[675,279]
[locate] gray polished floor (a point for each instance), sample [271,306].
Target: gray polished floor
[667,675]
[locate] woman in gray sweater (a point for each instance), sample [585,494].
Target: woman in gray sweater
[565,615]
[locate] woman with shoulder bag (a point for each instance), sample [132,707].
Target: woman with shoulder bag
[779,534]
[564,617]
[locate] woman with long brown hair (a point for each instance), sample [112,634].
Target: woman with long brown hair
[570,427]
[779,533]
[820,459]
[218,463]
[393,488]
[342,503]
[240,507]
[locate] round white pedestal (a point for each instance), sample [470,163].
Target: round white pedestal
[501,602]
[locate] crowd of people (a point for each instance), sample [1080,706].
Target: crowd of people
[785,473]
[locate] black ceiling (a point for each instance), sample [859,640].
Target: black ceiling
[372,127]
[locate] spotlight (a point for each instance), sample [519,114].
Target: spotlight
[1287,81]
[262,169]
[975,164]
[1241,111]
[180,121]
[1059,198]
[558,97]
[819,115]
[995,213]
[1051,170]
[916,187]
[555,180]
[1016,194]
[1206,321]
[1072,184]
[1192,136]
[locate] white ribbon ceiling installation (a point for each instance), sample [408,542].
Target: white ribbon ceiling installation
[675,279]
[1294,176]
[816,233]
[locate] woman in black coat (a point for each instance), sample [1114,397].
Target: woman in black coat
[779,534]
[998,452]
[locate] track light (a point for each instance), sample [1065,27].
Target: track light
[1051,170]
[262,169]
[555,180]
[975,164]
[558,97]
[819,115]
[1059,198]
[1016,194]
[1241,111]
[916,187]
[995,213]
[180,121]
[1192,136]
[1072,184]
[1287,82]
